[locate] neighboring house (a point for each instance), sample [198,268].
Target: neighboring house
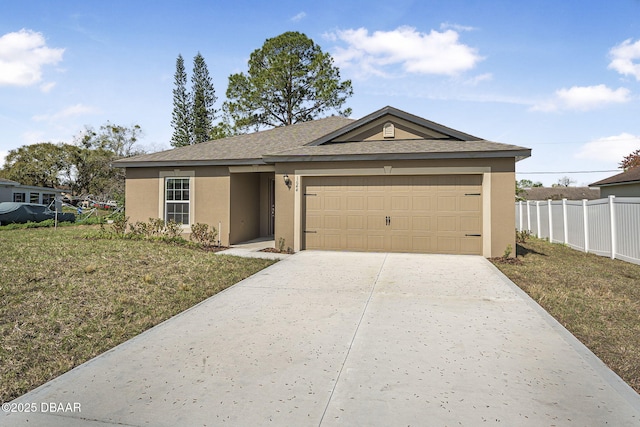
[390,181]
[559,193]
[12,191]
[625,184]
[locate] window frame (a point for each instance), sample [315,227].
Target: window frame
[163,202]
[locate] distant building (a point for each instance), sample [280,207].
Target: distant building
[625,184]
[12,191]
[559,193]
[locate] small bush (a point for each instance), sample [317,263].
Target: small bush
[507,251]
[522,236]
[119,225]
[202,235]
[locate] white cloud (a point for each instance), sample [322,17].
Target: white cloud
[583,98]
[3,155]
[623,56]
[33,137]
[438,53]
[610,149]
[72,111]
[22,56]
[300,16]
[480,78]
[46,87]
[457,27]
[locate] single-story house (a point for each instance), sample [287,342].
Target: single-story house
[390,181]
[625,184]
[12,191]
[559,193]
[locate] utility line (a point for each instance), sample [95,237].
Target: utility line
[568,172]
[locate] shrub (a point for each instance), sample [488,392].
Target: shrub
[202,235]
[120,224]
[507,251]
[522,236]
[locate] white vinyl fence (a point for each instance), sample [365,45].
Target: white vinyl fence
[608,227]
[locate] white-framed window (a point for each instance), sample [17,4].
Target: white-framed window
[177,198]
[34,198]
[19,197]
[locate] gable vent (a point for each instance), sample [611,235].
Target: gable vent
[388,130]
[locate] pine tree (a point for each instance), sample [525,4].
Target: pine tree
[203,112]
[181,116]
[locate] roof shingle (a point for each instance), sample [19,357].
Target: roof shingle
[631,175]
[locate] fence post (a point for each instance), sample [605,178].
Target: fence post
[538,217]
[528,217]
[565,222]
[612,217]
[585,220]
[520,215]
[550,221]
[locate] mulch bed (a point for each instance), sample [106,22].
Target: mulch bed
[275,251]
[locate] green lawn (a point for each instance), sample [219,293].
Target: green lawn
[65,299]
[597,299]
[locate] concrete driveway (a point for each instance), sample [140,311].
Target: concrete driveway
[334,339]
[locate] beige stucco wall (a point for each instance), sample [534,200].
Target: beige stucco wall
[498,180]
[210,194]
[626,190]
[244,215]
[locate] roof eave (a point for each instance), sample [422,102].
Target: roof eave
[188,163]
[518,155]
[609,184]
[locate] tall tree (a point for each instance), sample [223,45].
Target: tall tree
[290,80]
[181,116]
[204,97]
[43,164]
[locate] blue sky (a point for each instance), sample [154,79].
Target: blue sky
[562,78]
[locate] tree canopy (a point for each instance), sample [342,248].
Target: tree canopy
[289,80]
[84,166]
[631,161]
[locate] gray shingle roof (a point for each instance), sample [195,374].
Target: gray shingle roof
[631,175]
[246,147]
[559,193]
[427,148]
[312,141]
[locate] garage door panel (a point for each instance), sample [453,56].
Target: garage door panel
[470,203]
[331,222]
[421,203]
[400,203]
[375,243]
[400,223]
[376,223]
[471,246]
[356,222]
[447,203]
[470,224]
[421,223]
[426,213]
[447,245]
[375,203]
[447,224]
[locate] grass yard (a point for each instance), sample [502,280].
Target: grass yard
[597,299]
[65,299]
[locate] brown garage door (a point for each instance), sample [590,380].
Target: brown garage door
[427,213]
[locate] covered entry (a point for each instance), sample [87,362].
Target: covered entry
[423,213]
